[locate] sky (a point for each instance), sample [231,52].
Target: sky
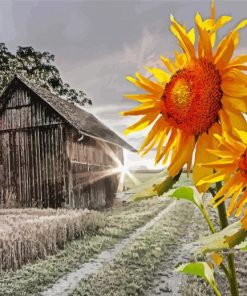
[97,43]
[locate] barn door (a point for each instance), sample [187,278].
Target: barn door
[33,168]
[50,166]
[8,182]
[16,177]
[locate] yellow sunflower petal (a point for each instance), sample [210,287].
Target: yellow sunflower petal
[160,145]
[225,123]
[183,155]
[217,258]
[242,135]
[148,87]
[159,74]
[238,146]
[220,163]
[143,109]
[211,178]
[239,104]
[221,22]
[244,221]
[236,76]
[142,123]
[241,25]
[215,26]
[204,41]
[205,141]
[239,60]
[237,66]
[191,35]
[155,86]
[226,190]
[223,198]
[232,35]
[169,65]
[224,57]
[234,90]
[142,97]
[180,33]
[180,59]
[240,204]
[170,143]
[158,127]
[237,119]
[234,199]
[212,10]
[151,145]
[222,153]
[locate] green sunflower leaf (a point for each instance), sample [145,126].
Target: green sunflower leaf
[190,194]
[201,269]
[227,238]
[242,246]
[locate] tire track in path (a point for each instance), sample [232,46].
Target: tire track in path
[66,285]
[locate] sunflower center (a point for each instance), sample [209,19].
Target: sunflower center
[243,164]
[192,98]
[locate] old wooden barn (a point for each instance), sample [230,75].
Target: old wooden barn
[53,153]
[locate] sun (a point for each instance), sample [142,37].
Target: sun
[202,92]
[123,169]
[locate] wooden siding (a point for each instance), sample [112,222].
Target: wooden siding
[93,176]
[32,153]
[43,164]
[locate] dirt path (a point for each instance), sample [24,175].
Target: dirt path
[129,268]
[168,282]
[147,265]
[66,285]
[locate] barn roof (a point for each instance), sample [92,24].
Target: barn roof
[81,120]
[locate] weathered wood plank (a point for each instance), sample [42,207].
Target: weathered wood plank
[43,164]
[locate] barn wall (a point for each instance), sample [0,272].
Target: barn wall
[43,164]
[93,178]
[33,161]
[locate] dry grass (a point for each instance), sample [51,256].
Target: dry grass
[30,234]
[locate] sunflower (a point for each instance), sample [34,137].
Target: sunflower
[200,93]
[230,167]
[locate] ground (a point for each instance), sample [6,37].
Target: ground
[135,253]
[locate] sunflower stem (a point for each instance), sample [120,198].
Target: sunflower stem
[210,223]
[213,230]
[216,291]
[232,277]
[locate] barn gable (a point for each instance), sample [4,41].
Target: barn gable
[24,109]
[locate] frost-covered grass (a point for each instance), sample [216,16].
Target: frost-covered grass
[30,234]
[155,254]
[120,222]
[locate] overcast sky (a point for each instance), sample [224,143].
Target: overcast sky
[97,43]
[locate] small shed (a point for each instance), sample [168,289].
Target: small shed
[53,153]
